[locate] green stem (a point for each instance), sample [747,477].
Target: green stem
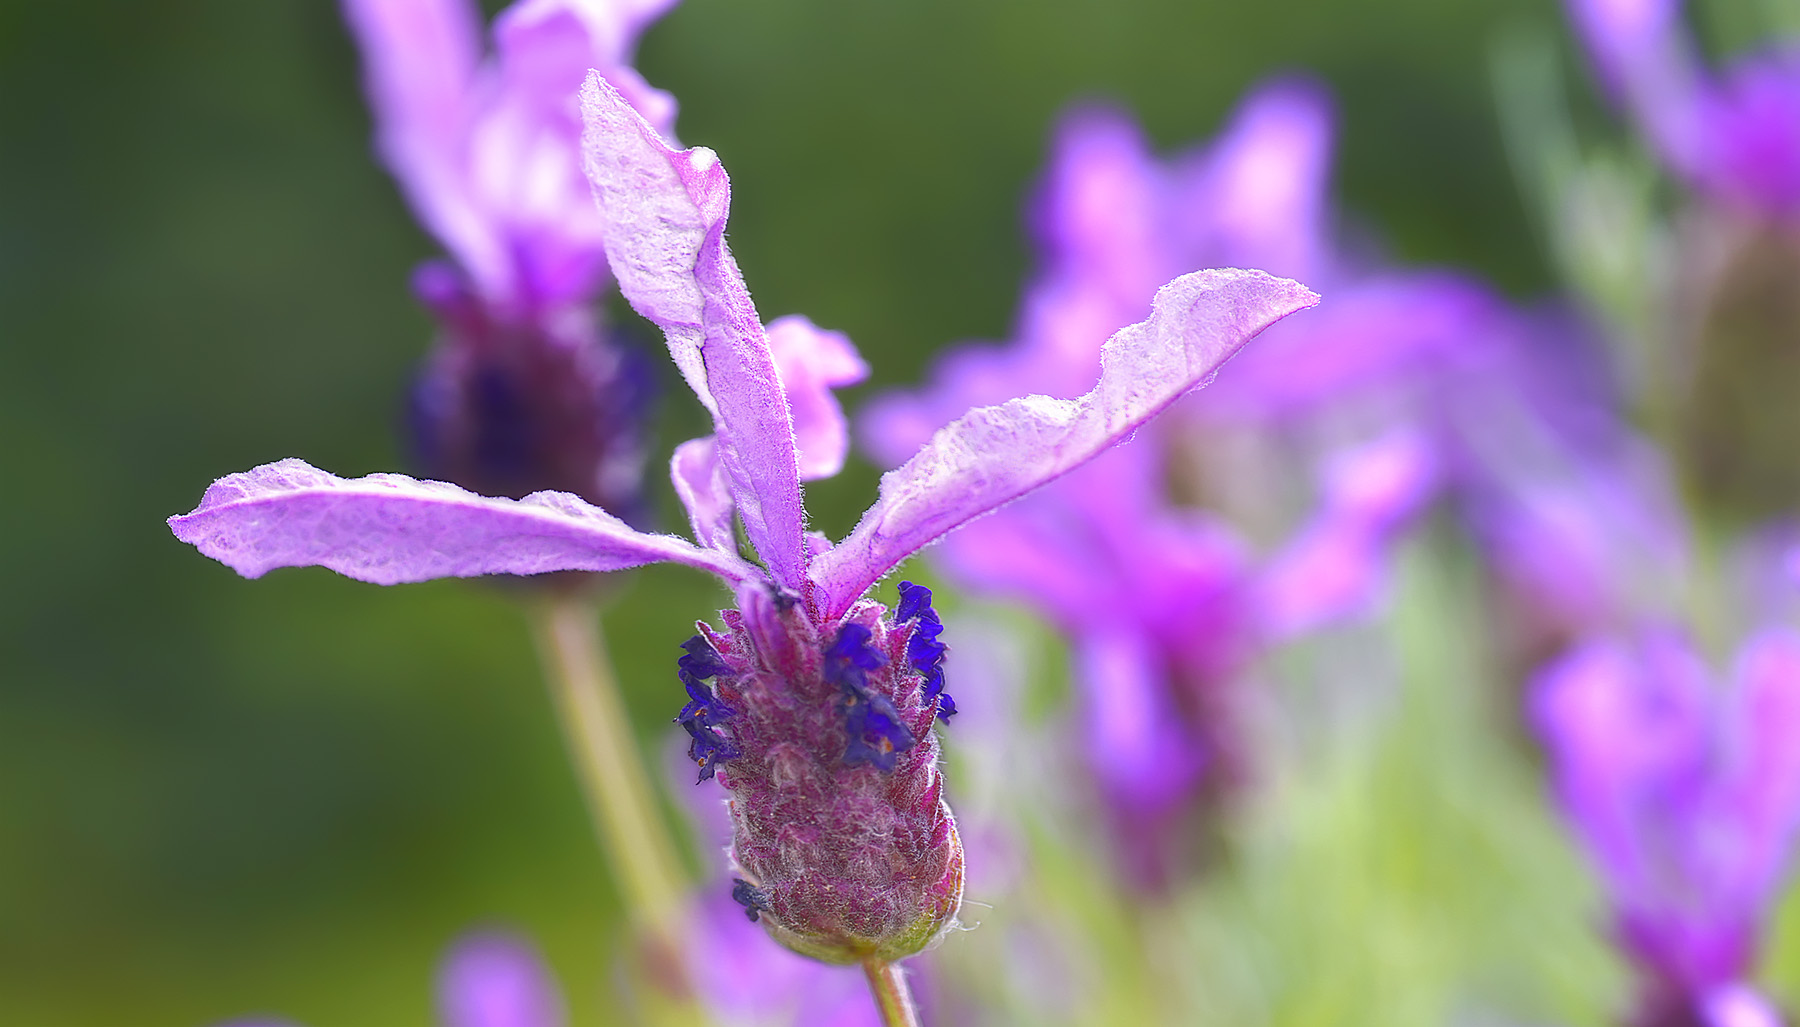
[888,983]
[633,835]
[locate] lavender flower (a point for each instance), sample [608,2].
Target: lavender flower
[1735,135]
[817,719]
[523,392]
[1687,797]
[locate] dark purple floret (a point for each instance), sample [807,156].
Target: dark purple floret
[702,661]
[510,406]
[876,735]
[750,897]
[705,711]
[708,748]
[850,658]
[923,649]
[914,600]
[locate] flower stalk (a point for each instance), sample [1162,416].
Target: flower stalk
[633,837]
[892,997]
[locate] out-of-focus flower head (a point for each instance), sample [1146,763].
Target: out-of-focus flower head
[1686,795]
[1734,135]
[819,713]
[1164,603]
[523,391]
[489,979]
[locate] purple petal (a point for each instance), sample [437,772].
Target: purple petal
[524,153]
[611,28]
[665,211]
[1589,541]
[1622,724]
[1100,221]
[1134,734]
[1645,58]
[1045,553]
[1619,31]
[1380,334]
[1753,133]
[812,362]
[997,454]
[419,68]
[892,427]
[1738,1005]
[1336,566]
[388,528]
[1257,197]
[700,483]
[497,980]
[1761,763]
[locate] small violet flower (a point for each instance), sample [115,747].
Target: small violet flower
[812,704]
[1687,796]
[1735,135]
[524,391]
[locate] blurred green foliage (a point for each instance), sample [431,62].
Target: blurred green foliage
[219,797]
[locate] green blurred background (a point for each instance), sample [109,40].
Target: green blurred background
[220,797]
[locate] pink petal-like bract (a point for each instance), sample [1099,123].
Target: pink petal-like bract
[665,213]
[389,528]
[994,455]
[814,361]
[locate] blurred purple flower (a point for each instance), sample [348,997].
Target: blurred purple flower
[492,979]
[1687,797]
[488,979]
[819,717]
[488,151]
[522,393]
[1164,604]
[1575,514]
[1735,135]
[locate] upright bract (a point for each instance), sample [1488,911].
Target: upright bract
[524,391]
[1687,797]
[819,713]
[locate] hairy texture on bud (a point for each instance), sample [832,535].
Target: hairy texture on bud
[840,831]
